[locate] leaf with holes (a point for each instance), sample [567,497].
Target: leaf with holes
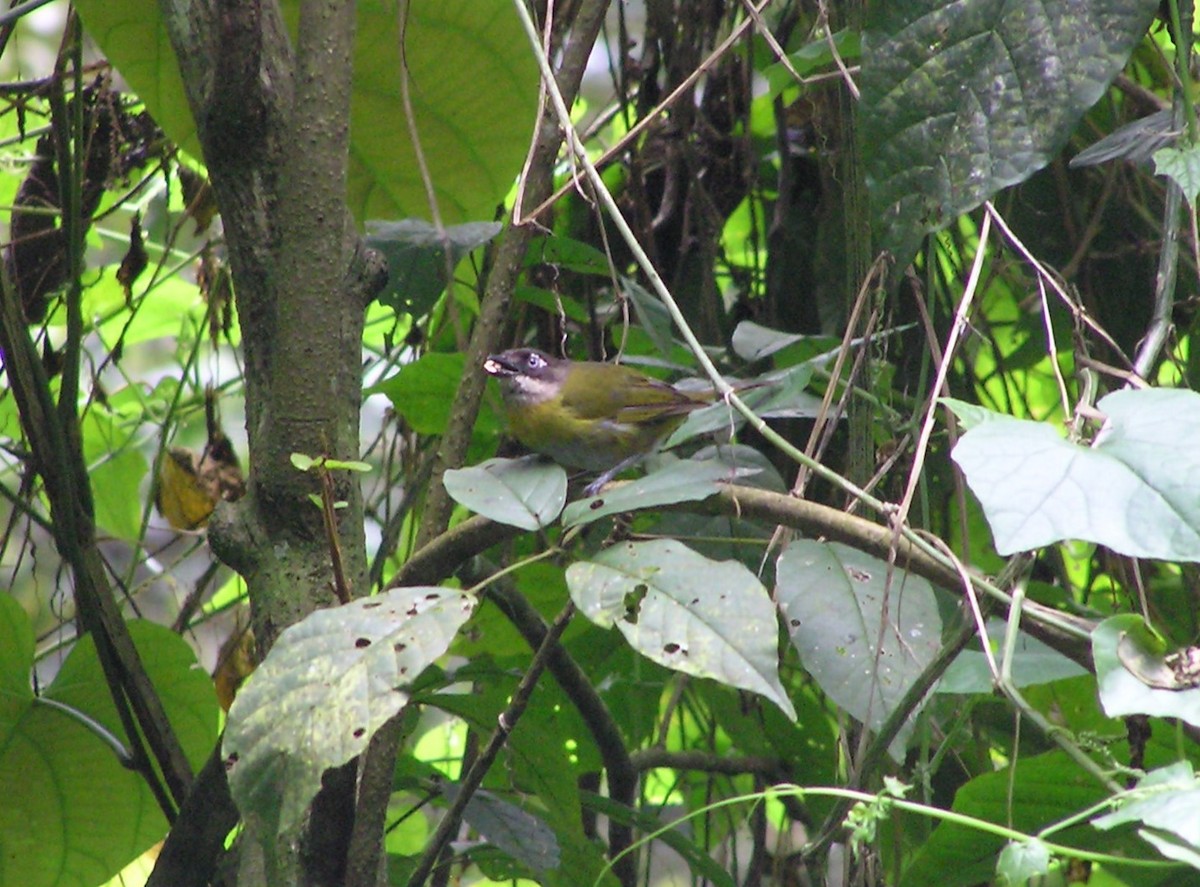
[862,638]
[707,618]
[528,493]
[328,684]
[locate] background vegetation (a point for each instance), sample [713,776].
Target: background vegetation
[918,610]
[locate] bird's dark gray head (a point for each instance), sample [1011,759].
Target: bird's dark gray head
[526,373]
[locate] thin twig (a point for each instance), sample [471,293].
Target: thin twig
[505,724]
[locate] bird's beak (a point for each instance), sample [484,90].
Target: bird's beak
[500,366]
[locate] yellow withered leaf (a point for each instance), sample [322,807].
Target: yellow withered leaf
[190,486]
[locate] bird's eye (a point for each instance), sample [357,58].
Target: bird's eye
[536,362]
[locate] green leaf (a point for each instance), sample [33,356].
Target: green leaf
[568,254]
[116,469]
[1021,860]
[1121,641]
[80,816]
[969,415]
[16,657]
[1167,799]
[706,618]
[779,395]
[752,341]
[416,257]
[328,684]
[423,390]
[1045,789]
[959,101]
[810,58]
[1136,491]
[1033,663]
[652,315]
[863,638]
[520,834]
[302,462]
[1182,165]
[528,493]
[472,78]
[552,303]
[682,480]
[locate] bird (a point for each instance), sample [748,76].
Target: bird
[586,414]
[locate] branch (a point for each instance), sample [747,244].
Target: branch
[54,441]
[622,775]
[510,256]
[189,854]
[507,721]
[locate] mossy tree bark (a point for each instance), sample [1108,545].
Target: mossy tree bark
[273,122]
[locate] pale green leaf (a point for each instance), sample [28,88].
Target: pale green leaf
[706,618]
[528,493]
[1182,165]
[1021,860]
[329,682]
[863,632]
[681,480]
[1116,643]
[1136,490]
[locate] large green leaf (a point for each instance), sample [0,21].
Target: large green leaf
[680,609]
[72,814]
[1136,490]
[328,684]
[863,632]
[1045,789]
[472,79]
[528,493]
[423,391]
[960,100]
